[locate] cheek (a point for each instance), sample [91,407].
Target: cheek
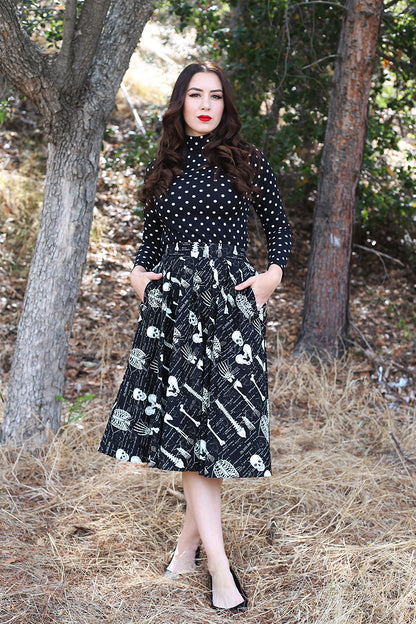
[220,107]
[187,107]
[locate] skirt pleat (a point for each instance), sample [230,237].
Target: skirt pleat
[194,394]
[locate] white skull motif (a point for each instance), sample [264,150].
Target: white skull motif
[237,337]
[153,332]
[257,463]
[192,318]
[173,388]
[121,454]
[200,449]
[139,395]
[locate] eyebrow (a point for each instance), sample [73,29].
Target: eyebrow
[198,89]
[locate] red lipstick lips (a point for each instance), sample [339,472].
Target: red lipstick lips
[204,118]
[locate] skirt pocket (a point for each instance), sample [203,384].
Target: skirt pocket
[155,283]
[249,292]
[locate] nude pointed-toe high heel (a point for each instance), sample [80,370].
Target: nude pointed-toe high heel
[174,574]
[241,606]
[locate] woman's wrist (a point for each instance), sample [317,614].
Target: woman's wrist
[276,272]
[139,268]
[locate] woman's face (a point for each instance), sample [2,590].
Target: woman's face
[204,104]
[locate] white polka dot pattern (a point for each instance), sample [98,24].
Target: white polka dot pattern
[198,208]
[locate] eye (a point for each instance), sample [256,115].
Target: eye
[216,96]
[193,95]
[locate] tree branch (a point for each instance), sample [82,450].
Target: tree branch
[22,61]
[65,56]
[390,4]
[133,109]
[298,4]
[380,254]
[122,31]
[321,60]
[88,33]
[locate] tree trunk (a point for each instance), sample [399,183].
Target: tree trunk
[324,328]
[54,281]
[75,111]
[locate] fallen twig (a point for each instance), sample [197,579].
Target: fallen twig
[370,348]
[133,109]
[402,456]
[380,254]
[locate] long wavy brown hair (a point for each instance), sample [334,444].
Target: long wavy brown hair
[225,150]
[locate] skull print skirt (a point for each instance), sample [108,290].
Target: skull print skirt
[194,394]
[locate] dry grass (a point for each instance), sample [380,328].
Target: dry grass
[20,204]
[328,539]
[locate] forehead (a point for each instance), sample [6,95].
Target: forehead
[207,81]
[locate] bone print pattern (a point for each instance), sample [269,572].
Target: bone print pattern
[194,394]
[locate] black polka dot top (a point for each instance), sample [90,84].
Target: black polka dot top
[198,208]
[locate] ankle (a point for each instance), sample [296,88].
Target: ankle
[188,547]
[218,566]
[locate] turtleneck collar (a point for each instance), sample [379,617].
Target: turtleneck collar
[196,142]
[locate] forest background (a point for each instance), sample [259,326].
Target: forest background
[343,436]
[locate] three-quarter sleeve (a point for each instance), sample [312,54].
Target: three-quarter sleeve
[269,208]
[152,248]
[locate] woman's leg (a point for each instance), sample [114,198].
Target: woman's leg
[183,559]
[203,499]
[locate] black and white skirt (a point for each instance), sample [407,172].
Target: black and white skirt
[194,395]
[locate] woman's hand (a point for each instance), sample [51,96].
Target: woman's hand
[140,278]
[263,284]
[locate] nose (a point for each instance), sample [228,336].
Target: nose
[206,102]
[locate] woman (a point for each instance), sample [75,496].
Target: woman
[194,395]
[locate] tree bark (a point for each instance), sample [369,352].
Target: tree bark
[76,124]
[324,329]
[38,370]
